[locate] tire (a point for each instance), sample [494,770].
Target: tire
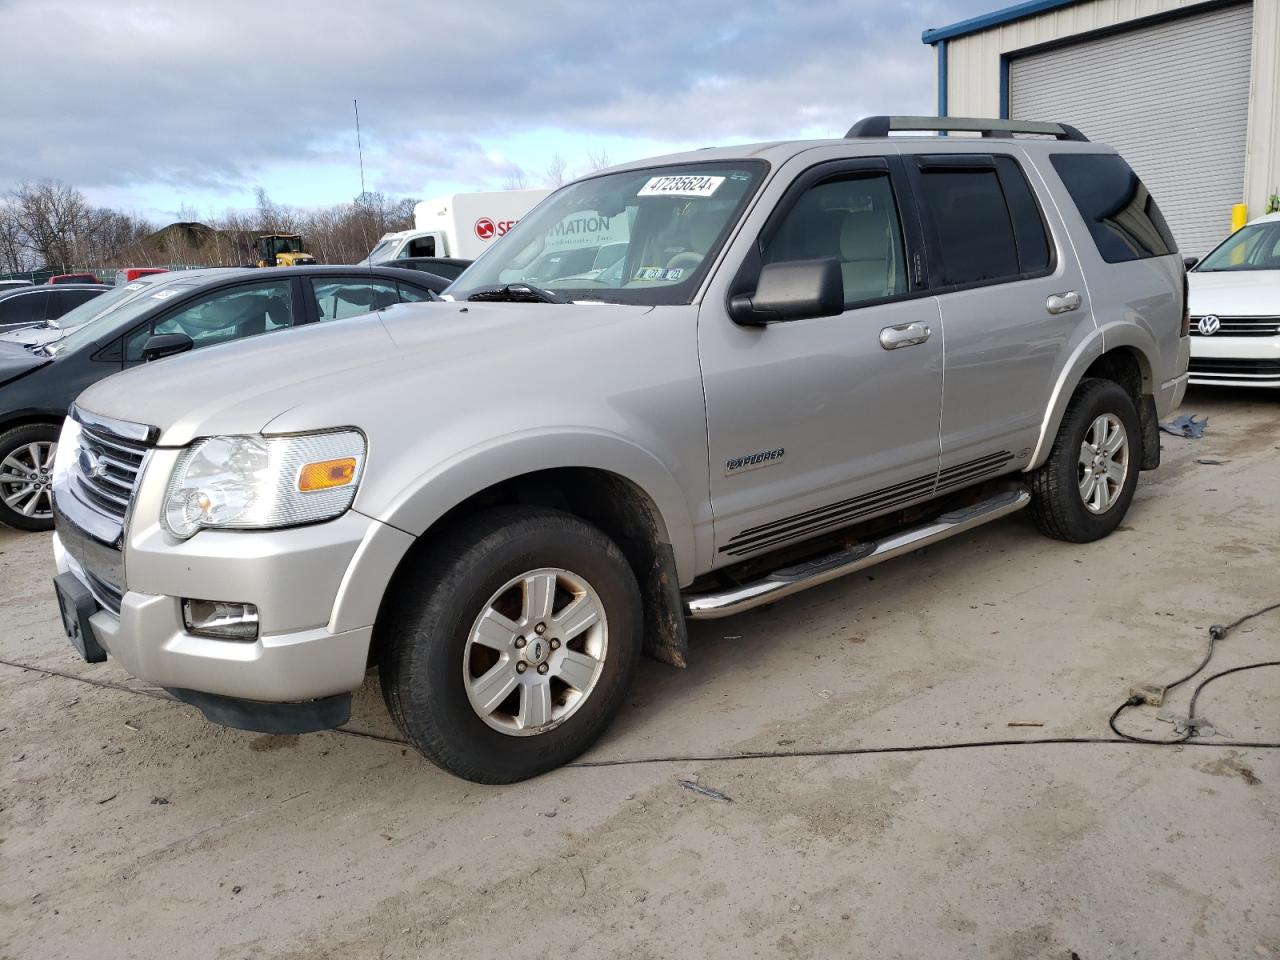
[451,595]
[26,476]
[1059,488]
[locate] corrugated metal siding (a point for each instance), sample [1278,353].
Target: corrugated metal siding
[973,62]
[1173,97]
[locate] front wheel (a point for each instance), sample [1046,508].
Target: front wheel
[26,476]
[509,643]
[1084,489]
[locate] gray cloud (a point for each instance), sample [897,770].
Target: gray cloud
[208,95]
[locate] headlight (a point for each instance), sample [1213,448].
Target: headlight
[67,452]
[251,482]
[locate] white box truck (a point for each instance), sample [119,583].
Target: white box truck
[456,225]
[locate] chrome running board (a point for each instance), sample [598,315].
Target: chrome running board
[801,576]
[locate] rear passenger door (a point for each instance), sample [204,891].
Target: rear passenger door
[1011,300]
[816,424]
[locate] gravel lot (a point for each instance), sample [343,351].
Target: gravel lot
[129,827]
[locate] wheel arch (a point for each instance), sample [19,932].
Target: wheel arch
[647,520]
[1121,353]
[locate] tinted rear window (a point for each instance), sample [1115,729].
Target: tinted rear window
[1121,215]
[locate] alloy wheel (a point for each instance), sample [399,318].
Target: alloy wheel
[536,651]
[1104,463]
[26,479]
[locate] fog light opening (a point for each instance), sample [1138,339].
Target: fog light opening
[221,619]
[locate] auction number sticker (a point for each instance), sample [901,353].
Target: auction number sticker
[681,186]
[164,294]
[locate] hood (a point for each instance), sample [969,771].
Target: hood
[16,361]
[38,334]
[1235,293]
[328,371]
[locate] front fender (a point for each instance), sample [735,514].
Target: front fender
[1105,338]
[432,494]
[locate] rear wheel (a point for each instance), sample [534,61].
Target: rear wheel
[26,476]
[510,644]
[1084,489]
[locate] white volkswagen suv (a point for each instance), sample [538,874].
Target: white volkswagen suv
[1235,309]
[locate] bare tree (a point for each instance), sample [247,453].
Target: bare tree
[556,174]
[516,180]
[50,215]
[598,160]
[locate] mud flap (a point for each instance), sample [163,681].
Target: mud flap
[1149,423]
[666,633]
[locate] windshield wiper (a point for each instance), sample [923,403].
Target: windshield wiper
[517,293]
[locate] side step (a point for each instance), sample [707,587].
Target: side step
[788,580]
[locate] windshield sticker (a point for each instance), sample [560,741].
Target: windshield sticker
[685,186]
[164,294]
[135,286]
[657,273]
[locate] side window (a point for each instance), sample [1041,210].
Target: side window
[24,308]
[410,294]
[222,316]
[853,219]
[975,231]
[351,296]
[63,300]
[1024,212]
[420,247]
[1121,215]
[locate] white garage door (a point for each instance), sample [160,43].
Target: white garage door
[1172,97]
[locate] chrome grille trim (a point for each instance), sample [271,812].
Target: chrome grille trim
[119,460]
[1241,326]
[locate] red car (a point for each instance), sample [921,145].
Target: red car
[73,278]
[130,274]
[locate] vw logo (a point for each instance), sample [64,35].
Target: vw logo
[1209,325]
[91,465]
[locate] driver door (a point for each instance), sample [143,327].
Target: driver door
[819,423]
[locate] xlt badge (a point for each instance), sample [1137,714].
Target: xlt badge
[753,460]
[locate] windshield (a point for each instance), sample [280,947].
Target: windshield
[1255,246]
[642,236]
[127,302]
[381,251]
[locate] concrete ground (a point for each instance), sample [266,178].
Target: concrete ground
[130,827]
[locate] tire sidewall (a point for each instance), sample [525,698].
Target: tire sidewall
[1100,398]
[434,705]
[9,441]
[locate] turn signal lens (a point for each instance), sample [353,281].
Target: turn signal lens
[326,474]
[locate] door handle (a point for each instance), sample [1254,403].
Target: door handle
[1062,302]
[903,335]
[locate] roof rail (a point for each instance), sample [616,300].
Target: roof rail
[880,127]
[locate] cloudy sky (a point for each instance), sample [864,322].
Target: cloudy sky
[152,106]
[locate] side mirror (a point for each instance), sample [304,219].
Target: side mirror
[165,345]
[796,290]
[1189,262]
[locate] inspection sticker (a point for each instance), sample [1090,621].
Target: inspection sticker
[683,186]
[164,294]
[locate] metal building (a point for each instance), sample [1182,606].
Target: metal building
[1188,91]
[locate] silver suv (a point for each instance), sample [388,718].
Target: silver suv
[678,389]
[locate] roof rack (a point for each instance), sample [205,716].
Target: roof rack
[880,127]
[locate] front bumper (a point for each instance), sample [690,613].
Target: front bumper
[317,589]
[1236,361]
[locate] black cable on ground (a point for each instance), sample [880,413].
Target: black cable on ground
[1216,632]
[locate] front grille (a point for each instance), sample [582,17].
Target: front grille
[1245,371]
[1240,327]
[106,469]
[105,592]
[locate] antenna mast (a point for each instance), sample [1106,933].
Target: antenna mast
[355,104]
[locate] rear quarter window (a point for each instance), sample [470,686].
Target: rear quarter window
[1122,216]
